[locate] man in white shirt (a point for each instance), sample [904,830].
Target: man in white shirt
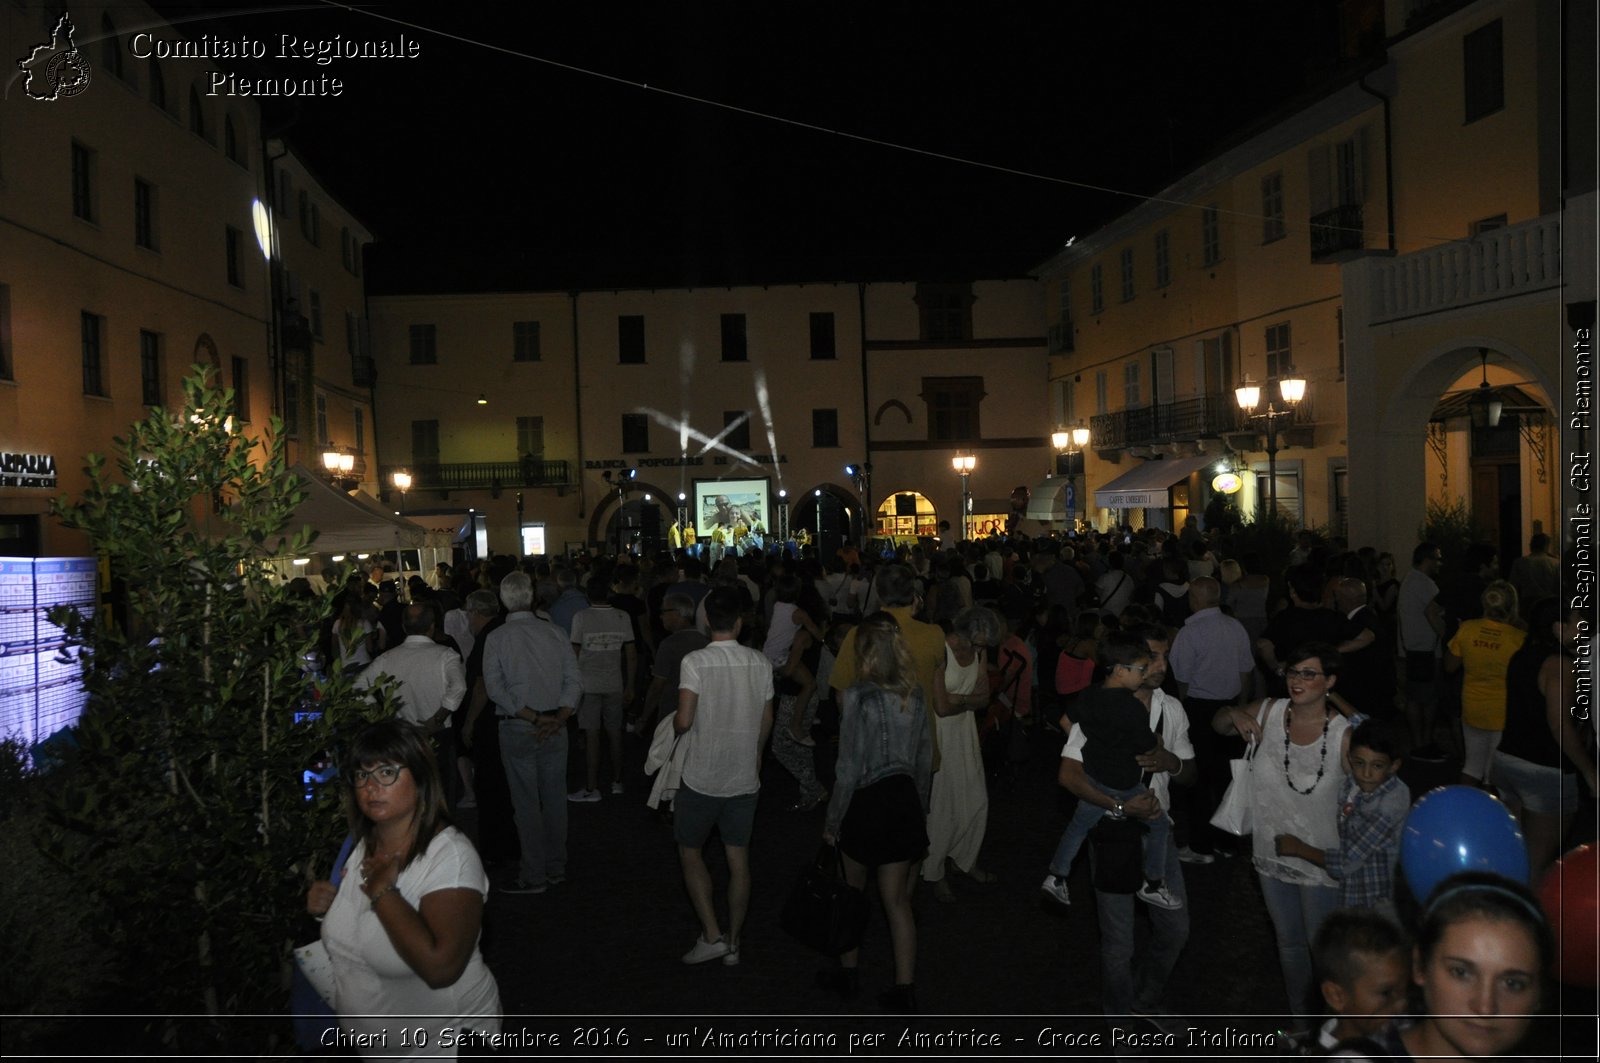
[602,636]
[431,679]
[1421,636]
[725,714]
[1133,985]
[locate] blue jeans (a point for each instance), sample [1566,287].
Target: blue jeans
[1297,913]
[1084,820]
[1128,983]
[536,773]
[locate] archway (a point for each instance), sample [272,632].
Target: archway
[1413,444]
[830,514]
[905,515]
[642,520]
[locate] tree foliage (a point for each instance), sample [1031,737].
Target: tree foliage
[182,813]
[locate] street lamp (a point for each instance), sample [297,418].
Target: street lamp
[1291,389]
[860,475]
[963,464]
[402,483]
[1069,443]
[783,515]
[339,464]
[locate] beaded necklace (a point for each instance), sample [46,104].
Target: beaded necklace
[1322,763]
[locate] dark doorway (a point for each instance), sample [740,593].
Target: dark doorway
[1497,488]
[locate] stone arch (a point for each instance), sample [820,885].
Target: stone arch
[892,404]
[601,516]
[1388,435]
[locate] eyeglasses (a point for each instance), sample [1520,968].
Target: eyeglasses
[386,774]
[1140,668]
[1303,673]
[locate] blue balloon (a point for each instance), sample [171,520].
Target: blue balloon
[1460,828]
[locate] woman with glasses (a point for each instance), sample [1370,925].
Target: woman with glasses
[958,813]
[1302,758]
[402,926]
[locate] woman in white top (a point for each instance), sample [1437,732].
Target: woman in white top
[356,639]
[402,926]
[958,812]
[1300,764]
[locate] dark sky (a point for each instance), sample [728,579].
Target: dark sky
[479,168]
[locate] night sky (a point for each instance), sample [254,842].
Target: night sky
[480,169]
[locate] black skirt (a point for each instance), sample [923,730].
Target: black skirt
[885,823]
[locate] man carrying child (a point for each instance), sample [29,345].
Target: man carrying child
[1116,726]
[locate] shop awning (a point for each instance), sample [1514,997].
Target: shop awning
[1146,484]
[1047,500]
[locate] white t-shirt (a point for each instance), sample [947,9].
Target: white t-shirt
[377,992]
[1417,589]
[732,683]
[1174,737]
[600,632]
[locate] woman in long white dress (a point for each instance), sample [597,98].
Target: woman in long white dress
[958,812]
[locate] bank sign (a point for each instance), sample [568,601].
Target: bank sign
[27,470]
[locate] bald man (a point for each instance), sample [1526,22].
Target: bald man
[1213,664]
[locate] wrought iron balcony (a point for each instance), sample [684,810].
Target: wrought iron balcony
[480,475]
[1336,232]
[1172,422]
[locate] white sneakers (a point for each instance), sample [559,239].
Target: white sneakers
[1160,897]
[1056,889]
[710,950]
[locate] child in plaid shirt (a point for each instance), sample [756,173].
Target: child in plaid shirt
[1372,809]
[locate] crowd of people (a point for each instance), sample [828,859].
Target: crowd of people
[919,678]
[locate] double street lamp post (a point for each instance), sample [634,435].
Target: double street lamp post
[1291,389]
[963,464]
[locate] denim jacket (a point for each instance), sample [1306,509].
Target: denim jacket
[877,739]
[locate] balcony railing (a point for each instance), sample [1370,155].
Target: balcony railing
[1175,422]
[1336,231]
[1502,262]
[480,475]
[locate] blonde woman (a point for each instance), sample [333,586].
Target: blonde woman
[1482,649]
[878,813]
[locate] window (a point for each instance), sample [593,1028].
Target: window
[92,329]
[316,313]
[635,433]
[351,344]
[235,253]
[1130,386]
[525,341]
[1483,70]
[83,183]
[310,219]
[822,343]
[346,256]
[824,428]
[424,345]
[358,428]
[946,312]
[1101,397]
[150,368]
[953,403]
[111,49]
[530,438]
[230,140]
[1278,350]
[322,419]
[285,194]
[197,114]
[736,430]
[1125,260]
[1097,288]
[735,347]
[1272,227]
[424,442]
[144,214]
[291,403]
[630,339]
[1487,225]
[1347,173]
[5,333]
[1163,259]
[158,87]
[241,392]
[1210,236]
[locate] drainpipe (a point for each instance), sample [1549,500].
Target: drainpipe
[1388,156]
[869,516]
[577,397]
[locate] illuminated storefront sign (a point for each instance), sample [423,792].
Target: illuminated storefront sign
[27,470]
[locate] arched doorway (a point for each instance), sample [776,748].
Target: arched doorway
[906,515]
[638,525]
[830,515]
[1414,443]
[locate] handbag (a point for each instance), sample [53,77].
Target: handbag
[1234,813]
[824,912]
[311,988]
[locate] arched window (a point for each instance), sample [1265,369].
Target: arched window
[111,48]
[158,87]
[197,114]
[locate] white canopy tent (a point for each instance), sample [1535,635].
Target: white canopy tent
[349,525]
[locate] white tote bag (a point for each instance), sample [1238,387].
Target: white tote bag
[1234,811]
